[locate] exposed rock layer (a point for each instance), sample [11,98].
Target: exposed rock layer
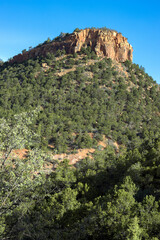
[107,43]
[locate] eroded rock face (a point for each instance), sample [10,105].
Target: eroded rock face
[104,42]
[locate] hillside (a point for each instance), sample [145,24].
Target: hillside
[79,94]
[79,97]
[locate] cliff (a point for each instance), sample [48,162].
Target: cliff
[106,42]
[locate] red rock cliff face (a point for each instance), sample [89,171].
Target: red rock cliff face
[104,42]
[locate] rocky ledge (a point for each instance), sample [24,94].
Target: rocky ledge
[104,42]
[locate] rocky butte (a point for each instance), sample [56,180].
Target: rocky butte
[104,42]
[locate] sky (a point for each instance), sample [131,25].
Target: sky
[26,23]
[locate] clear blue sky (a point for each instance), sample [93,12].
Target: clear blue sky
[26,23]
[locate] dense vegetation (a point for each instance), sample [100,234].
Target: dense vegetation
[60,100]
[106,197]
[92,98]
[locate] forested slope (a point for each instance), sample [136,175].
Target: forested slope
[71,102]
[94,96]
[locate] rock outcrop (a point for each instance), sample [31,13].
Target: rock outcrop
[106,42]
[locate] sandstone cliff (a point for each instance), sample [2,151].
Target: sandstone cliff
[107,43]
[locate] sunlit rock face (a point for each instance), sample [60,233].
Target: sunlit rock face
[104,42]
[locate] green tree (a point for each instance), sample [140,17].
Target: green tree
[16,133]
[134,230]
